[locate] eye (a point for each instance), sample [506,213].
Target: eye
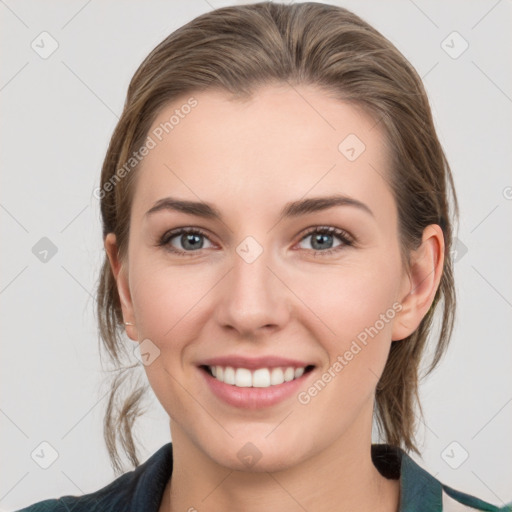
[190,239]
[322,239]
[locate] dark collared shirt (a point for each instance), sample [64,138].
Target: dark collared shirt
[141,490]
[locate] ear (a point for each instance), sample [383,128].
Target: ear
[123,288]
[420,284]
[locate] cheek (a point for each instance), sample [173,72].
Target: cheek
[351,298]
[166,305]
[164,298]
[339,302]
[358,305]
[347,310]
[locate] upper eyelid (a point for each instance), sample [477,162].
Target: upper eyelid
[333,230]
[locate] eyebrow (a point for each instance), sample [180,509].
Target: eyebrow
[290,210]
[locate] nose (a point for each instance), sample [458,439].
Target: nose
[253,297]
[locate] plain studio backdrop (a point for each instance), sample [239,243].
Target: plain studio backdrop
[66,69]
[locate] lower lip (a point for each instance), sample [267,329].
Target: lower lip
[254,398]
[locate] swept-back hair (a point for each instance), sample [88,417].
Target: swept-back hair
[238,49]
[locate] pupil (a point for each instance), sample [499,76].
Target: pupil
[188,239]
[320,237]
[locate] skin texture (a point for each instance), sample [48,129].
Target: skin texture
[249,159]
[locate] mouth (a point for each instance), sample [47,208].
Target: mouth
[255,388]
[258,378]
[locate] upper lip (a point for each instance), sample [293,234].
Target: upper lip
[254,362]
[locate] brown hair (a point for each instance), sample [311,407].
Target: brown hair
[236,49]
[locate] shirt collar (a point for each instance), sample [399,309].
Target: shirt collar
[419,491]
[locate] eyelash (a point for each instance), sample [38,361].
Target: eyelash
[346,239]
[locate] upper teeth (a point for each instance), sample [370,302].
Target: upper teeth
[260,378]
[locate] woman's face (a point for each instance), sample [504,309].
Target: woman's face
[255,283]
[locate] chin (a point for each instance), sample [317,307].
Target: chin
[270,463]
[255,454]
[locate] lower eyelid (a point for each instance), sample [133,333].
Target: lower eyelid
[345,240]
[166,240]
[329,250]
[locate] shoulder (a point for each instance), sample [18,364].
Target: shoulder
[440,496]
[141,487]
[107,499]
[457,501]
[44,506]
[421,491]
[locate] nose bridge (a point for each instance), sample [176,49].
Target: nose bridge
[253,297]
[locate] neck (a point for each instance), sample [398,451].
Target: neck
[342,477]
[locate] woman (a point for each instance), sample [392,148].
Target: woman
[277,227]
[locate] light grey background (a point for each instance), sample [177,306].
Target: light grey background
[57,117]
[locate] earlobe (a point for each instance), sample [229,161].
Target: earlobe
[123,289]
[421,282]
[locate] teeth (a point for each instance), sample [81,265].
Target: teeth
[289,373]
[277,376]
[260,378]
[243,378]
[229,375]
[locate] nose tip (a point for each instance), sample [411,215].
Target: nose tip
[252,297]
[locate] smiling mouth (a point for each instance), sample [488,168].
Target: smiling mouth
[258,378]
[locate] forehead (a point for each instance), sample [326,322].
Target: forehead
[281,144]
